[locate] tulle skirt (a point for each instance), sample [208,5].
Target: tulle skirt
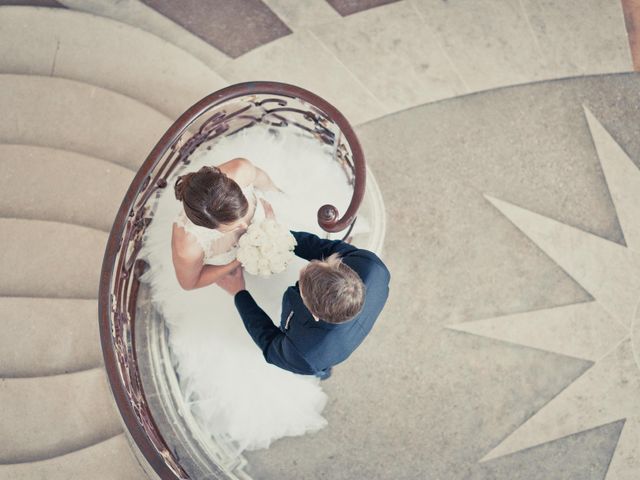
[230,389]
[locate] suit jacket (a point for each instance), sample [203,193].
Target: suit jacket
[302,344]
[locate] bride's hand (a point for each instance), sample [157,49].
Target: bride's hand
[269,185]
[268,209]
[233,282]
[274,188]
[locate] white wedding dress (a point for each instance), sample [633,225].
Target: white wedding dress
[231,390]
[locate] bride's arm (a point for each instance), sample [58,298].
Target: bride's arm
[263,181]
[244,173]
[187,261]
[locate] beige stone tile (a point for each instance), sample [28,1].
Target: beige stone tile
[580,37]
[454,258]
[297,14]
[51,416]
[302,60]
[48,336]
[625,462]
[623,179]
[607,392]
[582,330]
[608,271]
[394,54]
[489,41]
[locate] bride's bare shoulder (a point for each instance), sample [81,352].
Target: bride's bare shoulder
[183,244]
[241,170]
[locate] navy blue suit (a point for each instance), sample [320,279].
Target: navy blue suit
[302,344]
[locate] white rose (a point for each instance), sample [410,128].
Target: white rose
[249,257]
[270,227]
[243,241]
[277,264]
[255,235]
[286,239]
[266,248]
[264,271]
[291,243]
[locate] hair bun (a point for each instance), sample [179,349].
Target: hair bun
[211,169]
[181,185]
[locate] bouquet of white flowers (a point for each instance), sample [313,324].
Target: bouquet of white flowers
[266,248]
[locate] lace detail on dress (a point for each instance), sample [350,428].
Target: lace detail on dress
[219,248]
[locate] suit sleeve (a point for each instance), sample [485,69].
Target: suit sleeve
[276,347]
[311,247]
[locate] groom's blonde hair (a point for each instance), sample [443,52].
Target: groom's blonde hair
[331,290]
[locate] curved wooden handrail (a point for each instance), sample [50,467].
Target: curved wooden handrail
[327,214]
[120,269]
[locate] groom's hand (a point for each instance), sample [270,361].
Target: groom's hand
[233,282]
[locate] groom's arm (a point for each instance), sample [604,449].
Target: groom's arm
[276,347]
[311,247]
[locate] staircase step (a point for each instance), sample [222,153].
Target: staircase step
[69,115]
[111,459]
[49,259]
[50,416]
[139,15]
[79,189]
[48,336]
[99,51]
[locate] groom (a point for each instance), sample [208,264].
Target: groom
[328,312]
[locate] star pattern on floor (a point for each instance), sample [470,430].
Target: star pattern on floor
[601,331]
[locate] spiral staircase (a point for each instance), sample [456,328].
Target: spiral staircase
[86,92]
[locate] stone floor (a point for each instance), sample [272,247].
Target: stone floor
[430,395]
[502,135]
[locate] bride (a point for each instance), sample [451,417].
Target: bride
[216,212]
[232,392]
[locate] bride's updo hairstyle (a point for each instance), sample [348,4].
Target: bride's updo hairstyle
[210,198]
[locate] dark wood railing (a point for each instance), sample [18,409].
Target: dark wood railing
[222,113]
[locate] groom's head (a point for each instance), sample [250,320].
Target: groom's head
[331,290]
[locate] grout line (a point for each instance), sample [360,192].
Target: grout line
[75,152]
[440,47]
[626,338]
[303,25]
[32,297]
[543,57]
[55,58]
[279,16]
[353,75]
[67,373]
[58,222]
[4,376]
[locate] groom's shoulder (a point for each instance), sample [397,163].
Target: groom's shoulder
[360,259]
